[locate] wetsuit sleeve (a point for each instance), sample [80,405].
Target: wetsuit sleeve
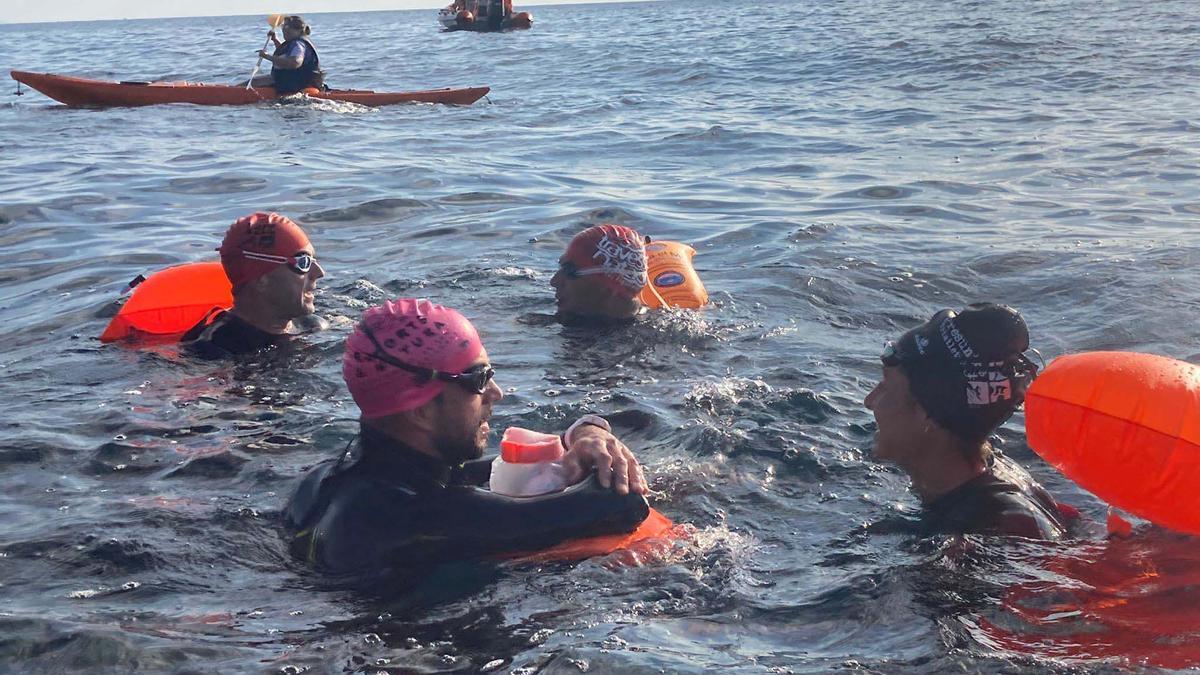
[368,527]
[469,521]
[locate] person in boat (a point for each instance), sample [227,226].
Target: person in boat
[947,385]
[601,275]
[409,489]
[273,269]
[295,65]
[497,12]
[494,12]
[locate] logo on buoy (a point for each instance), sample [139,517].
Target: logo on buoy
[668,279]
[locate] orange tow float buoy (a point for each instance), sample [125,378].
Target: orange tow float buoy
[673,281]
[1126,427]
[170,302]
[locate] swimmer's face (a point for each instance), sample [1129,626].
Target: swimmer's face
[462,424]
[291,291]
[899,419]
[569,288]
[586,296]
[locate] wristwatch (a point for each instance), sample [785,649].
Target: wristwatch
[592,420]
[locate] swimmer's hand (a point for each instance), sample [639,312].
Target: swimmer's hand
[593,448]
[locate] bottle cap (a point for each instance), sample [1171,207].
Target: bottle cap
[522,446]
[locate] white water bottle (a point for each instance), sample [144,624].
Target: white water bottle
[528,464]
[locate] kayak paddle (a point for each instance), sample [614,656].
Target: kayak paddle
[274,21]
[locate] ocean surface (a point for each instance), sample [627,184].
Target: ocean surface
[844,170]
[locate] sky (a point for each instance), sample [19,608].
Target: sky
[24,11]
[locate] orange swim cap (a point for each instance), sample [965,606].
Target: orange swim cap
[264,233]
[614,253]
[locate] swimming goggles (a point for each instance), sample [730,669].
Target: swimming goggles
[475,379]
[300,263]
[573,272]
[891,356]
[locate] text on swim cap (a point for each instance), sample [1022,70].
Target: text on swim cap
[955,341]
[619,258]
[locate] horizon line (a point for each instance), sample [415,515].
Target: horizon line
[434,5]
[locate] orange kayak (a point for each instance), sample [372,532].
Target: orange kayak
[78,91]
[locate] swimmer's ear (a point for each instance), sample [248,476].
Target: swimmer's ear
[250,287]
[424,418]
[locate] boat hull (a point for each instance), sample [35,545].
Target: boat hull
[78,91]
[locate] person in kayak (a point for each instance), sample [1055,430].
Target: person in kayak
[408,491]
[947,385]
[601,274]
[273,269]
[295,65]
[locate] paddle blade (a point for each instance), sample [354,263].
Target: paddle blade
[275,20]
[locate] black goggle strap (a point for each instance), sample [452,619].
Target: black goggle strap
[477,378]
[381,355]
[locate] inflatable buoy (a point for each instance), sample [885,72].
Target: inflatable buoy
[1126,427]
[464,17]
[171,301]
[655,526]
[521,20]
[672,281]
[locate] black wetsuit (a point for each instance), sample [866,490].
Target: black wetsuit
[1004,500]
[225,335]
[382,505]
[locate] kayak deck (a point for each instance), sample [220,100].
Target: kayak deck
[78,91]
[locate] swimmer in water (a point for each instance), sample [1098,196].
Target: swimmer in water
[274,272]
[947,385]
[409,490]
[601,274]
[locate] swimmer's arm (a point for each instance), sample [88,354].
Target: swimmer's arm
[484,522]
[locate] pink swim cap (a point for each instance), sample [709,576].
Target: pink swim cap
[416,332]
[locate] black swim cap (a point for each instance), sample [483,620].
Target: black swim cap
[967,369]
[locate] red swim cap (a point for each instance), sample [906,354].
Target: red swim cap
[615,254]
[268,233]
[415,332]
